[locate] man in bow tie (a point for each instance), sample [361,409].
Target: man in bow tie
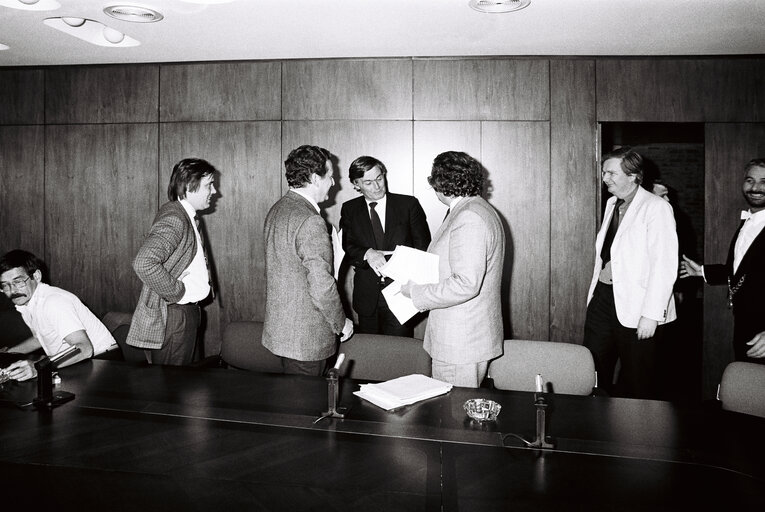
[630,297]
[744,271]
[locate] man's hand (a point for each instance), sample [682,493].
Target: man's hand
[347,330]
[689,268]
[376,259]
[758,346]
[22,370]
[646,328]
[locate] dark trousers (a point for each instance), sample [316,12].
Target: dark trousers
[383,321]
[610,341]
[295,367]
[183,322]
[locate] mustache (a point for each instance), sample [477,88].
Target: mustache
[17,296]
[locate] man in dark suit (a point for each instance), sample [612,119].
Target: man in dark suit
[173,267]
[744,271]
[304,315]
[372,225]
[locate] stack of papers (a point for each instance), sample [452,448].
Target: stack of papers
[407,264]
[402,391]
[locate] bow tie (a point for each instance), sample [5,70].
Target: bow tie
[745,214]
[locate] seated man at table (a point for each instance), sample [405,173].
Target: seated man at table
[57,319]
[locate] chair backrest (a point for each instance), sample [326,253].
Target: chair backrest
[566,368]
[380,357]
[742,388]
[119,324]
[241,348]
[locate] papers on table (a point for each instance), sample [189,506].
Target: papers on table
[402,391]
[407,264]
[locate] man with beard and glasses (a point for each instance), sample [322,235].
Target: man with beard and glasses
[743,272]
[57,319]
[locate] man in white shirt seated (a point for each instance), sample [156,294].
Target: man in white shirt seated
[58,319]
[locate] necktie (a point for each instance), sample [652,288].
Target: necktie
[377,228]
[200,230]
[447,213]
[605,252]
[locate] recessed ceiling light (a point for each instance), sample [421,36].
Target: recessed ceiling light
[31,5]
[497,6]
[133,13]
[4,46]
[94,32]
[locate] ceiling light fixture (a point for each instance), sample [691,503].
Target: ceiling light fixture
[31,5]
[498,6]
[94,32]
[4,47]
[133,13]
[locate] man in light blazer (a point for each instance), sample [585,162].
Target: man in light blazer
[464,330]
[172,265]
[744,271]
[304,314]
[399,220]
[630,295]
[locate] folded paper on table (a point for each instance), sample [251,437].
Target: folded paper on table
[402,391]
[407,264]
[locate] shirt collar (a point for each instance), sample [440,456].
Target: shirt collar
[380,202]
[190,211]
[302,193]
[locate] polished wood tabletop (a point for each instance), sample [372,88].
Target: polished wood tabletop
[138,437]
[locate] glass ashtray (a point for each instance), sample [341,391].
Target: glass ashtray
[481,409]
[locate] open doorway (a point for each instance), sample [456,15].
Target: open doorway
[674,155]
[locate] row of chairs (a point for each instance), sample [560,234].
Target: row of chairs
[566,368]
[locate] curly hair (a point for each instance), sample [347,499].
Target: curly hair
[630,161]
[455,174]
[755,162]
[304,161]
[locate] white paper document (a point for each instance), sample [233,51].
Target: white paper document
[402,391]
[407,264]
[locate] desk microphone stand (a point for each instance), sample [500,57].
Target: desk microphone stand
[46,398]
[333,388]
[540,403]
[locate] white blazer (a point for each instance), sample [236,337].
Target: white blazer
[644,260]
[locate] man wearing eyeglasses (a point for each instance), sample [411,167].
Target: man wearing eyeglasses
[57,319]
[372,226]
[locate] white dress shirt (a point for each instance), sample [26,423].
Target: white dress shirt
[749,231]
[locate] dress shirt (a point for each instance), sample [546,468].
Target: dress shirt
[379,208]
[606,275]
[197,281]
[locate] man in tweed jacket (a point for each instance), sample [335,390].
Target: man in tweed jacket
[173,267]
[303,309]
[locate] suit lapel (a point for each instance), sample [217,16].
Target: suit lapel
[448,220]
[756,249]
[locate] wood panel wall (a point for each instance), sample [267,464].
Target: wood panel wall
[105,138]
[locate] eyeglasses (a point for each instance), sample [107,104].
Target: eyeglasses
[16,283]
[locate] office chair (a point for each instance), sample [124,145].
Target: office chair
[742,388]
[566,368]
[241,348]
[380,357]
[119,325]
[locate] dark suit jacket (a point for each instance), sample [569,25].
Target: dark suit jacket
[747,301]
[166,252]
[405,224]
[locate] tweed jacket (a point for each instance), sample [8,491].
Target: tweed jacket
[643,260]
[405,224]
[465,320]
[166,252]
[303,309]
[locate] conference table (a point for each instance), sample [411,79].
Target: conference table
[139,437]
